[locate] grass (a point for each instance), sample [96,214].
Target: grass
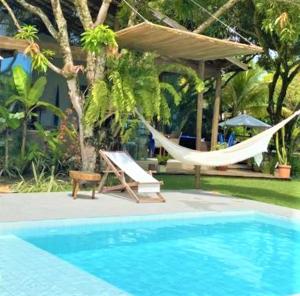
[283,193]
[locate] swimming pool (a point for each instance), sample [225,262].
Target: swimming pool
[220,254]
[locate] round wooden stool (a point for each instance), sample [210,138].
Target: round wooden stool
[78,176]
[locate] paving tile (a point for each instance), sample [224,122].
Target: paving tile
[26,270]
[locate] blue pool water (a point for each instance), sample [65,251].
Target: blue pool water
[242,255]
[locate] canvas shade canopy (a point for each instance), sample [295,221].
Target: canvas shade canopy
[244,120]
[176,43]
[162,40]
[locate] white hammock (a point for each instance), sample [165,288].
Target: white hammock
[253,147]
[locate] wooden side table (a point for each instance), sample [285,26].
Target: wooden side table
[78,176]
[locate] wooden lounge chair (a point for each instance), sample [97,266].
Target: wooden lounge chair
[142,187]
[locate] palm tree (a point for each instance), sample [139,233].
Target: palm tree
[247,92]
[29,98]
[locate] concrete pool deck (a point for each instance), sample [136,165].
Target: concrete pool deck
[60,205]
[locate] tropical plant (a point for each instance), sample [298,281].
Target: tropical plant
[40,58]
[41,182]
[99,43]
[277,27]
[7,87]
[163,159]
[59,146]
[290,105]
[98,38]
[28,98]
[8,121]
[247,92]
[28,32]
[221,146]
[134,81]
[53,145]
[281,148]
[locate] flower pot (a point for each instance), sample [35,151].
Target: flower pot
[162,168]
[284,171]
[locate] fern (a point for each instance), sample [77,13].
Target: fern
[165,112]
[185,71]
[172,91]
[133,81]
[97,103]
[117,94]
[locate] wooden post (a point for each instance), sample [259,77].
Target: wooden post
[201,70]
[216,113]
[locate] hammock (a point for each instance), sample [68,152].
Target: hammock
[253,147]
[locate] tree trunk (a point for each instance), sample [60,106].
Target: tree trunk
[216,113]
[281,97]
[222,10]
[199,123]
[272,87]
[87,151]
[24,136]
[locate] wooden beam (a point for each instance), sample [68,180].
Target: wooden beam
[238,63]
[201,71]
[216,112]
[168,21]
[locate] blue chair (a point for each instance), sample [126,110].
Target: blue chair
[231,140]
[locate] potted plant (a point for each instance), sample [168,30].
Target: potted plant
[221,146]
[162,163]
[283,168]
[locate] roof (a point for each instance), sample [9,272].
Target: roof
[9,43]
[244,120]
[176,43]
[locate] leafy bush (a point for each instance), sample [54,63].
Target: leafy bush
[41,182]
[295,163]
[268,166]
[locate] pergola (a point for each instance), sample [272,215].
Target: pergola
[182,46]
[192,47]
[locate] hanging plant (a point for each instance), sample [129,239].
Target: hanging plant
[96,39]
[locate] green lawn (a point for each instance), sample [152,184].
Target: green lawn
[283,193]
